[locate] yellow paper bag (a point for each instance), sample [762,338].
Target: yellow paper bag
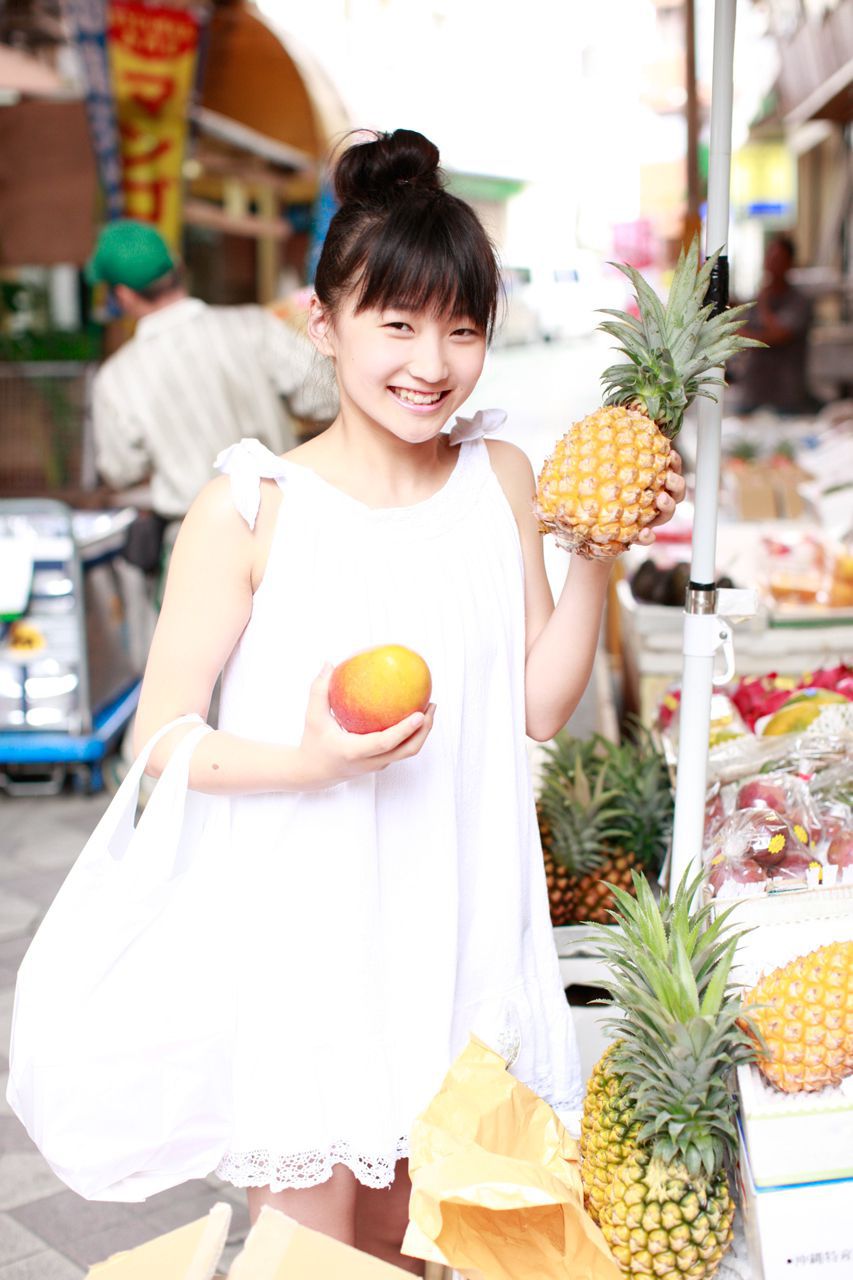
[496,1188]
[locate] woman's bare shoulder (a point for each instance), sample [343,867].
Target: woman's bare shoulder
[214,530]
[514,471]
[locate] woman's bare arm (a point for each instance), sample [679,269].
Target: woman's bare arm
[561,640]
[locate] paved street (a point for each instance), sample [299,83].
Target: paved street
[46,1231]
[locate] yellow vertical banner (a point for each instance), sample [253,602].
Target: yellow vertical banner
[152,61]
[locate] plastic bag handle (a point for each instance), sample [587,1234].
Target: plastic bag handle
[121,811]
[171,791]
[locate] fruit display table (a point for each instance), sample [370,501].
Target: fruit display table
[788,643]
[785,528]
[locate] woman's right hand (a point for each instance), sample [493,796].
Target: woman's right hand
[329,755]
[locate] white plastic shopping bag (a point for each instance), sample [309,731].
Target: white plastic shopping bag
[122,1029]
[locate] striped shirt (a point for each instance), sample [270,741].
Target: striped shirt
[193,380]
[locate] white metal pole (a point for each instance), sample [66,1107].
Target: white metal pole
[702,630]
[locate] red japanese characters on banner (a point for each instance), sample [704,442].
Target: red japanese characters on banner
[152,58]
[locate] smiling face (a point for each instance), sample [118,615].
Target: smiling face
[404,371]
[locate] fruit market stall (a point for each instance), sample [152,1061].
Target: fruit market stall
[796,549]
[747,961]
[750,963]
[778,861]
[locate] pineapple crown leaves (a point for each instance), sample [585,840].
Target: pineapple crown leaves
[671,349]
[640,821]
[656,940]
[564,751]
[684,1103]
[638,769]
[682,1031]
[583,818]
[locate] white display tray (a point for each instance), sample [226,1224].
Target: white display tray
[803,1231]
[796,1137]
[784,925]
[788,643]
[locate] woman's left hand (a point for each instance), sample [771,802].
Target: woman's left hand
[666,501]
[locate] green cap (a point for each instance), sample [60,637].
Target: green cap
[130,253]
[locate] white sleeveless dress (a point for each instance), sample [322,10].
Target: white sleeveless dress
[380,921]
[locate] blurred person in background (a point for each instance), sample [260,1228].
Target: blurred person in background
[775,376]
[193,379]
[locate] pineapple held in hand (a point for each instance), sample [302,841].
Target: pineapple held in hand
[598,489]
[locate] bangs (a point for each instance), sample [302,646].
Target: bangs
[431,255]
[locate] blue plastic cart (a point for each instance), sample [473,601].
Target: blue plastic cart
[68,685]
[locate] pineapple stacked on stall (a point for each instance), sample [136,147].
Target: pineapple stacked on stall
[802,1014]
[605,811]
[659,1135]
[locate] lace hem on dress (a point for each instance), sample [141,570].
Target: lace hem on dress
[278,1171]
[309,1168]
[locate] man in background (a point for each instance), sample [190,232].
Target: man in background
[193,379]
[775,376]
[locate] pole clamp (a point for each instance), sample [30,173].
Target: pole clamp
[707,634]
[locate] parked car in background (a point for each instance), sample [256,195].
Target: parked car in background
[565,298]
[518,323]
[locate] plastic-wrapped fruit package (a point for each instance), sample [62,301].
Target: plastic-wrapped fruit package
[726,723]
[716,810]
[837,829]
[786,794]
[756,846]
[759,697]
[800,711]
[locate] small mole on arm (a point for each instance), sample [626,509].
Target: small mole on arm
[214,766]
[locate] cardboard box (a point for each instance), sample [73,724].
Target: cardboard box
[795,1138]
[189,1253]
[797,1233]
[276,1248]
[765,492]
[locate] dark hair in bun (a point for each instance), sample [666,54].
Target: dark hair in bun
[399,239]
[372,173]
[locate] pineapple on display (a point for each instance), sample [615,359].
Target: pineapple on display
[609,1126]
[582,824]
[803,1014]
[637,770]
[597,491]
[605,810]
[608,1131]
[661,1193]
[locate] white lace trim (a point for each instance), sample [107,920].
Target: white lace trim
[309,1168]
[262,1168]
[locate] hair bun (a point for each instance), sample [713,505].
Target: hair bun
[373,172]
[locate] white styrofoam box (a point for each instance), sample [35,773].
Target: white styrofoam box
[798,1233]
[576,948]
[796,1137]
[785,925]
[592,1036]
[578,967]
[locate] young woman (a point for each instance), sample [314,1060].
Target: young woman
[390,892]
